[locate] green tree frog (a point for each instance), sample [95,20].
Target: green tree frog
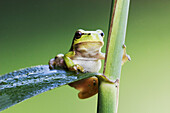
[84,55]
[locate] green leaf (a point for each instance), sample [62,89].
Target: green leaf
[25,83]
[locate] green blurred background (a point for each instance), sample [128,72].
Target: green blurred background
[32,32]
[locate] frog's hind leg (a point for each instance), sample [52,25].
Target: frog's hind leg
[87,87]
[125,57]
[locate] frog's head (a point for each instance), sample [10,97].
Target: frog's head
[83,37]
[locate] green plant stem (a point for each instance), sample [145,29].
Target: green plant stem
[109,93]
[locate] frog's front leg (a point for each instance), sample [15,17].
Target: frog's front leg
[70,64]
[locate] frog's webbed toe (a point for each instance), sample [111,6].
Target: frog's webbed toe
[125,57]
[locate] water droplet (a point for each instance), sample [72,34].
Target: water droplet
[3,83]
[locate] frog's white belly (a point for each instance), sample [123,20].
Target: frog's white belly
[89,65]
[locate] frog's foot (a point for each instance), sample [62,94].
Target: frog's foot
[58,61]
[76,68]
[105,78]
[125,57]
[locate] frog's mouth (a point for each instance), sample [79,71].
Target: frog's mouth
[90,43]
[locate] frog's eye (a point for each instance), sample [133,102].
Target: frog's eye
[78,34]
[102,34]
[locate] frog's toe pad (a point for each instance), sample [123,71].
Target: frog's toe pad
[76,68]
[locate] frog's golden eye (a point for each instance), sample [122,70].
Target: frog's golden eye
[78,34]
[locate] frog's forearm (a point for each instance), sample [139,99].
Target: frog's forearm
[70,54]
[70,64]
[68,60]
